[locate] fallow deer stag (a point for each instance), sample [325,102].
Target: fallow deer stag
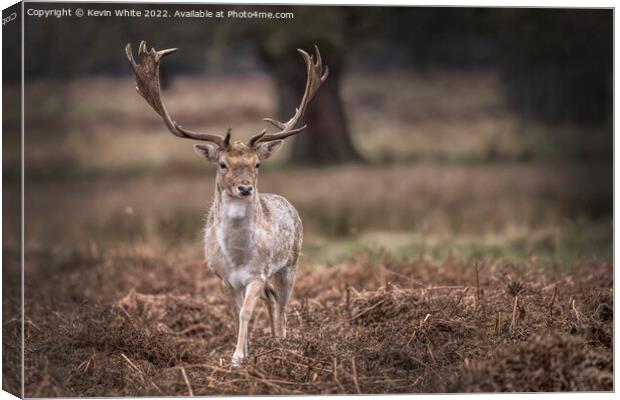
[252,240]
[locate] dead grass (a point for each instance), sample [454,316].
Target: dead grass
[505,201]
[119,303]
[157,327]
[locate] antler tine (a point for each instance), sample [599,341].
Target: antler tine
[146,73]
[316,76]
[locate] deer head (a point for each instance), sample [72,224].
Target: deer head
[238,162]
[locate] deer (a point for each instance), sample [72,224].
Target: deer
[252,240]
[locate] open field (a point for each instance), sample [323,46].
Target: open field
[472,254]
[126,308]
[133,322]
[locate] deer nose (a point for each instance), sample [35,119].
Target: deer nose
[245,190]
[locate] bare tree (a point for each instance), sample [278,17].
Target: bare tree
[327,139]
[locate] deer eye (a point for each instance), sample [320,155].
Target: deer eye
[257,165]
[223,165]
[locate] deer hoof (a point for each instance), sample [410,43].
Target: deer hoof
[237,360]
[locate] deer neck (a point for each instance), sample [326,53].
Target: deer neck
[237,212]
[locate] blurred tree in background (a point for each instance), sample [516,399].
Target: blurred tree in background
[327,138]
[555,64]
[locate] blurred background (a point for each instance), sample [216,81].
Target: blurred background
[441,132]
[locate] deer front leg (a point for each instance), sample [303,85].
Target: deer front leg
[252,293]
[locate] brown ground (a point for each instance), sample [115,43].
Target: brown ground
[370,325]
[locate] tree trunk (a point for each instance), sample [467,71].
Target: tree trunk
[326,140]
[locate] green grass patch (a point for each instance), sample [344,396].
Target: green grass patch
[576,242]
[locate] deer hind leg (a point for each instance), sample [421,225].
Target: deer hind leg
[283,282]
[271,303]
[252,293]
[235,298]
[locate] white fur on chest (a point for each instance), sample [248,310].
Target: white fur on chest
[239,237]
[235,232]
[235,210]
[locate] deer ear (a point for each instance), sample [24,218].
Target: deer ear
[208,151]
[266,149]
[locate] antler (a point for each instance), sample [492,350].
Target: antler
[316,77]
[147,81]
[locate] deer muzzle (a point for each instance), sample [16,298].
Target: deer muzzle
[245,190]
